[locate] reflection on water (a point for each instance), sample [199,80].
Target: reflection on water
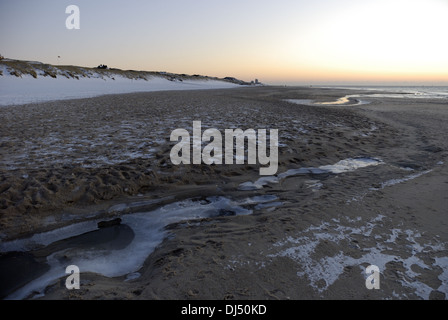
[339,101]
[352,100]
[392,92]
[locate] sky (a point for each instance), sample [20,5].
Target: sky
[378,42]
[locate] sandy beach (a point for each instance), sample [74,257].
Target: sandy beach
[306,235]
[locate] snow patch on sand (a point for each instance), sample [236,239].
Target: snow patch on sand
[26,89]
[322,272]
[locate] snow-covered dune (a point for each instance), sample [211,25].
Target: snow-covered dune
[28,82]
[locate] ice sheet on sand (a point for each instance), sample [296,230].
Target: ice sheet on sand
[259,199]
[323,271]
[314,185]
[148,229]
[26,89]
[259,184]
[268,205]
[46,238]
[350,165]
[342,166]
[392,182]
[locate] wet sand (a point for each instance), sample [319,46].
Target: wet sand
[81,159]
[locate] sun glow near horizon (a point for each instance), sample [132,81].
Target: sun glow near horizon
[376,41]
[283,41]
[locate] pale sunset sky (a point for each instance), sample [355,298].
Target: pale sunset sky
[399,42]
